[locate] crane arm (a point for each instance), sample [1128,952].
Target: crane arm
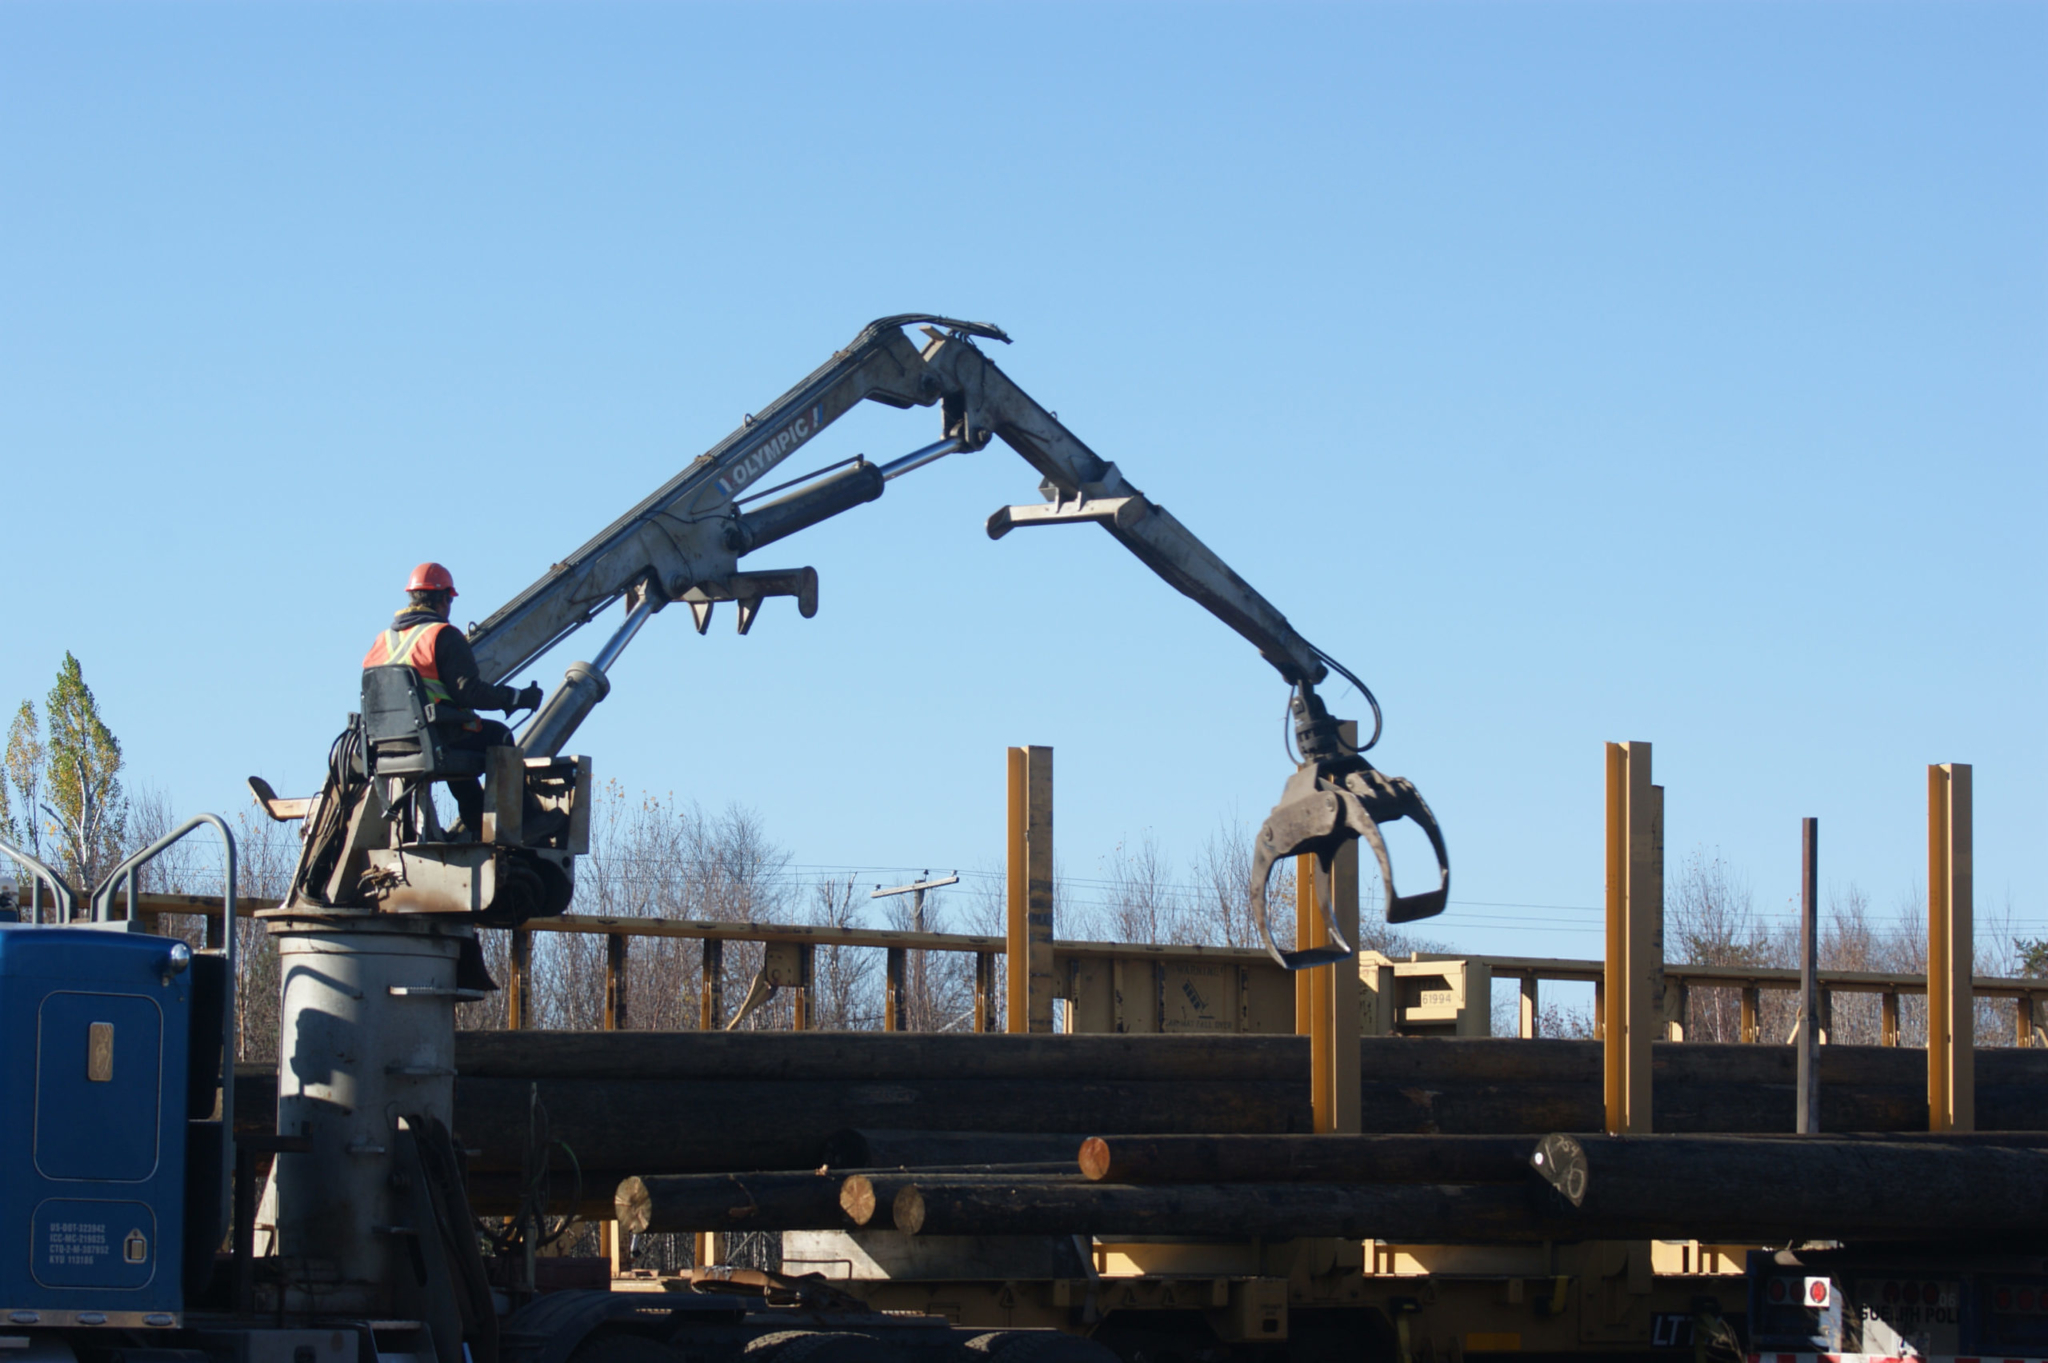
[1080,485]
[674,539]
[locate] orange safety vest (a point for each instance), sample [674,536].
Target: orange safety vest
[415,649]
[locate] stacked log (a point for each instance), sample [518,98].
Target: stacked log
[698,1102]
[654,1104]
[1416,1213]
[855,1149]
[727,1202]
[1779,1189]
[1742,1189]
[1306,1159]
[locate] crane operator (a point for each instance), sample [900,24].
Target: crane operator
[421,638]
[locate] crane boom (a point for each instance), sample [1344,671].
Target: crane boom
[678,537]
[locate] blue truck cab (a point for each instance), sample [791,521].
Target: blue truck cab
[95,1106]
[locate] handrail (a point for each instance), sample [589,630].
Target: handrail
[1738,976]
[1504,967]
[67,898]
[102,905]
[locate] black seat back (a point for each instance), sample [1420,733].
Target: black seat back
[399,732]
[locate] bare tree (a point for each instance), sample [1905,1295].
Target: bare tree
[1710,917]
[1223,877]
[842,978]
[1143,902]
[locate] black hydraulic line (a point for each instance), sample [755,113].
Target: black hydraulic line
[820,501]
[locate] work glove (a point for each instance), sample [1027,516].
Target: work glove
[529,697]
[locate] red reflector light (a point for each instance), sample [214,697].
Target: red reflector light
[1891,1291]
[1931,1293]
[1817,1292]
[1776,1291]
[2026,1299]
[2004,1299]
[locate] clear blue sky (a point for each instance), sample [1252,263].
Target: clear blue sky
[1573,373]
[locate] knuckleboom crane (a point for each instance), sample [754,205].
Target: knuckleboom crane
[372,844]
[362,1245]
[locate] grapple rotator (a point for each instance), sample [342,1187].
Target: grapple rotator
[1336,795]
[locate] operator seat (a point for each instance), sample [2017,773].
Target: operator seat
[399,737]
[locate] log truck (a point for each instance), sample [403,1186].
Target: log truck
[116,1088]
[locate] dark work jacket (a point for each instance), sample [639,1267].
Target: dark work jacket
[457,666]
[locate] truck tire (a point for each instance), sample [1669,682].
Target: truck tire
[1038,1346]
[819,1346]
[620,1346]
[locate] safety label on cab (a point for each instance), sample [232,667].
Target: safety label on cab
[80,1243]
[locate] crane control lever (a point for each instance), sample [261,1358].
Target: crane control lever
[1333,796]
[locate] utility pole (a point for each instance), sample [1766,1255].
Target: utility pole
[899,989]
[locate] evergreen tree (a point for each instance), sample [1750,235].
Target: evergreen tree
[82,780]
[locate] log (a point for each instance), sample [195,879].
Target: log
[657,1204]
[664,1127]
[1306,1159]
[854,1149]
[1777,1189]
[1411,1213]
[682,1126]
[1399,1062]
[866,1197]
[876,1056]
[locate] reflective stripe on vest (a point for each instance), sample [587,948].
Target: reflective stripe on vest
[415,649]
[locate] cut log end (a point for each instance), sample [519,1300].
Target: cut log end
[634,1206]
[857,1199]
[908,1210]
[1095,1159]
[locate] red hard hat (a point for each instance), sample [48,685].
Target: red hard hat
[432,577]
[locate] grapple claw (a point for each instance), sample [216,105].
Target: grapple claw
[1334,796]
[1309,818]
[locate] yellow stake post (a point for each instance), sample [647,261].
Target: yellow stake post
[1633,979]
[1030,926]
[1951,952]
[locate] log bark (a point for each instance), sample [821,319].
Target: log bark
[854,1149]
[875,1056]
[1413,1213]
[657,1204]
[1775,1189]
[680,1126]
[632,1123]
[1306,1159]
[1399,1062]
[664,1127]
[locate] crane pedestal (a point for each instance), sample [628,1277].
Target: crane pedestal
[366,1039]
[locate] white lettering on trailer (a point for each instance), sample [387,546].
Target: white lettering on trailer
[771,451]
